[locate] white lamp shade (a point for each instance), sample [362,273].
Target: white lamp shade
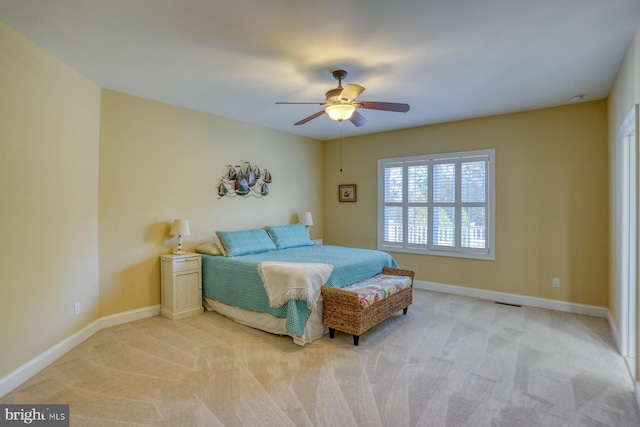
[340,112]
[180,227]
[307,219]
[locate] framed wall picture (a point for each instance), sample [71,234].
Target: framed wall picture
[347,193]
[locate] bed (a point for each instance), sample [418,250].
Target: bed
[233,286]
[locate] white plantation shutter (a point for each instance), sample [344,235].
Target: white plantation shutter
[438,204]
[473,200]
[393,197]
[418,204]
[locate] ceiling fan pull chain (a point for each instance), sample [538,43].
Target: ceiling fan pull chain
[340,146]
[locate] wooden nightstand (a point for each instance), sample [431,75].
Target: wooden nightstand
[181,281]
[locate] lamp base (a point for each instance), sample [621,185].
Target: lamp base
[178,250]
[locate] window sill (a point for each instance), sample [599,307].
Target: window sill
[443,253]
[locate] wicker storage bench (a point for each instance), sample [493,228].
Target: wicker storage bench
[343,311]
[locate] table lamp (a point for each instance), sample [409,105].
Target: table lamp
[307,220]
[180,228]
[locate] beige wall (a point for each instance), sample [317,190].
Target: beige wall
[49,130]
[624,95]
[159,162]
[551,192]
[75,234]
[91,181]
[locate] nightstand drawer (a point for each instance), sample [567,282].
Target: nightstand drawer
[190,263]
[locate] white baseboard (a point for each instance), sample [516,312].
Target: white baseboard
[38,363]
[614,331]
[129,316]
[569,307]
[12,380]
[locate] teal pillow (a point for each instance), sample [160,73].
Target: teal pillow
[244,242]
[289,236]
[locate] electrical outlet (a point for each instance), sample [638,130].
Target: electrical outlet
[556,282]
[76,308]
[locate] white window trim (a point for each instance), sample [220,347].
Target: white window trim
[455,251]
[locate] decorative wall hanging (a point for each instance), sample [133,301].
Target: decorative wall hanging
[347,193]
[244,180]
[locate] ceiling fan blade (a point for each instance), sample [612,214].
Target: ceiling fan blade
[358,119]
[351,92]
[310,103]
[308,119]
[385,106]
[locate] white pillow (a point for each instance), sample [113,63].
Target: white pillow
[209,248]
[218,243]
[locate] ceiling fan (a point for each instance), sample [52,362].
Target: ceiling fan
[340,103]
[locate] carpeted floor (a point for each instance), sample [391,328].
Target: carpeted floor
[451,361]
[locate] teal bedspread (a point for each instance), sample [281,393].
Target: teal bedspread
[235,281]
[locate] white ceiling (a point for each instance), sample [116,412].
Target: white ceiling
[448,59]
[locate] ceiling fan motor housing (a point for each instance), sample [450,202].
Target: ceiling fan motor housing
[333,95]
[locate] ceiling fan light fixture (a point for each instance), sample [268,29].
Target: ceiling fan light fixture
[340,112]
[339,104]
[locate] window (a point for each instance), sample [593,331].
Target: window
[442,204]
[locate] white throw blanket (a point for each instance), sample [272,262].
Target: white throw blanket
[285,281]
